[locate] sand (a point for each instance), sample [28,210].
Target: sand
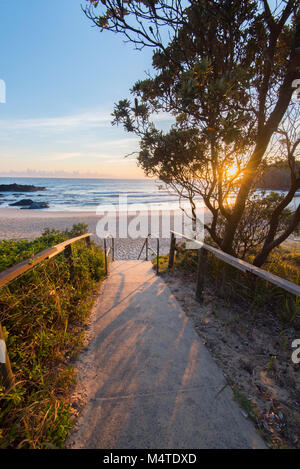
[28,224]
[254,350]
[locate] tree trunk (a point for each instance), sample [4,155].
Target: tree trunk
[250,173]
[263,255]
[263,138]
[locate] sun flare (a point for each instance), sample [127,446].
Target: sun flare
[232,170]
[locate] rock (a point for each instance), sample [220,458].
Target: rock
[20,188]
[29,204]
[36,205]
[22,203]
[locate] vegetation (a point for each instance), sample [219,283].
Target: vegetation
[252,293]
[248,325]
[43,314]
[227,71]
[276,177]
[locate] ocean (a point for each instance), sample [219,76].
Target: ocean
[66,194]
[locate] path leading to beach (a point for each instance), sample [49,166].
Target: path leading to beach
[148,380]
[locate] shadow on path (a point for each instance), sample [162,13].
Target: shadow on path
[151,383]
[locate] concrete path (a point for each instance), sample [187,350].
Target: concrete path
[152,383]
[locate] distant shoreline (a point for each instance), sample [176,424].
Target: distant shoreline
[80,178]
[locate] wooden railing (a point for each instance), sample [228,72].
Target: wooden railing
[10,274]
[228,259]
[14,272]
[109,250]
[147,246]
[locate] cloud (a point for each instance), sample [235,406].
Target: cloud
[65,156]
[80,141]
[84,120]
[162,117]
[75,155]
[81,120]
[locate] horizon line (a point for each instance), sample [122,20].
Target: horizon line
[75,177]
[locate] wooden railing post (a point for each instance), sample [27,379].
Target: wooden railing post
[157,258]
[147,242]
[141,251]
[113,248]
[6,374]
[105,256]
[88,241]
[202,256]
[172,251]
[69,257]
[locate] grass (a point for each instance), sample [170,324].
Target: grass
[253,293]
[43,314]
[244,402]
[262,320]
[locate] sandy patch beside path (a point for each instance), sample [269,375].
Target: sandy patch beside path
[254,352]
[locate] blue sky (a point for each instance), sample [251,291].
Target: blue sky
[62,78]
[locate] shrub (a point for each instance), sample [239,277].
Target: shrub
[43,314]
[250,292]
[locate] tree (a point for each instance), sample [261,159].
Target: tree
[225,69]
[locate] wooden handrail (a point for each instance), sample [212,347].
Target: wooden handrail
[246,267]
[146,243]
[11,273]
[107,251]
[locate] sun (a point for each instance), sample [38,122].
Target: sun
[232,170]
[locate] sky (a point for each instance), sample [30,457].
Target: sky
[62,78]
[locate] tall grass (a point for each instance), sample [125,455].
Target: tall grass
[43,314]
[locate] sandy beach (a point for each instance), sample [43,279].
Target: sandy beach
[28,224]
